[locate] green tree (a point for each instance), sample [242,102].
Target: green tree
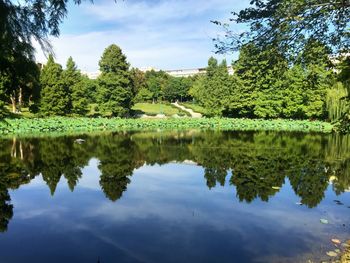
[143,95]
[80,102]
[76,87]
[318,78]
[177,88]
[290,24]
[216,88]
[138,80]
[260,74]
[20,24]
[156,82]
[344,102]
[54,93]
[293,93]
[114,91]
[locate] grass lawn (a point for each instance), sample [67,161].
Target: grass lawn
[157,108]
[194,107]
[24,112]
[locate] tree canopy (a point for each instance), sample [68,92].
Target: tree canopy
[289,24]
[114,92]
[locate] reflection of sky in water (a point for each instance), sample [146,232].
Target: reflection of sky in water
[167,214]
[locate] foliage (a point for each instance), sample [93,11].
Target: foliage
[68,125]
[255,162]
[336,101]
[77,87]
[344,77]
[177,88]
[80,101]
[114,91]
[55,97]
[143,95]
[137,80]
[290,24]
[22,23]
[156,82]
[214,90]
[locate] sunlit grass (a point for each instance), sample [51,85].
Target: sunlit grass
[156,108]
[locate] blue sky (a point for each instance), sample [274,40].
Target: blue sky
[164,34]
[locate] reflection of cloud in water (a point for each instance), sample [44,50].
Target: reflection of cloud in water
[171,203]
[91,176]
[173,193]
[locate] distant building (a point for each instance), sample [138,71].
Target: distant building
[192,72]
[174,73]
[91,75]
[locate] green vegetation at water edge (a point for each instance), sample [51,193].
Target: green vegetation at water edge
[71,125]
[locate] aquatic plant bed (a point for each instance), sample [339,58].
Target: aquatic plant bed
[68,124]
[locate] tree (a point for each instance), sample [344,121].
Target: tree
[143,95]
[290,24]
[19,81]
[114,91]
[138,80]
[177,89]
[344,102]
[156,82]
[216,88]
[80,101]
[76,88]
[260,74]
[71,74]
[22,23]
[318,78]
[54,94]
[213,90]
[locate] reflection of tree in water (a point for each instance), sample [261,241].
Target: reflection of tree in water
[6,208]
[259,162]
[118,159]
[12,175]
[309,181]
[211,152]
[61,156]
[255,175]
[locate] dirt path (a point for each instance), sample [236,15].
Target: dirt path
[190,111]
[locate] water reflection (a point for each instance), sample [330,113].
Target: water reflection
[256,164]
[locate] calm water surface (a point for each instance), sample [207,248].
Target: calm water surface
[174,197]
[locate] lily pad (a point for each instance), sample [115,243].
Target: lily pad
[336,241]
[324,221]
[331,254]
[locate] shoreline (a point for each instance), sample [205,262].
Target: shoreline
[79,125]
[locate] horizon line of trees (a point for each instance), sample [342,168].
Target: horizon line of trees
[264,85]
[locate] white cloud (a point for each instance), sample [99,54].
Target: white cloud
[166,35]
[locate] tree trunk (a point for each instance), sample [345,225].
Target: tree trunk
[21,150]
[20,99]
[13,101]
[14,148]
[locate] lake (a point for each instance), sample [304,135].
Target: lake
[185,196]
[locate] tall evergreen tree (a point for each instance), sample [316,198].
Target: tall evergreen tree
[261,73]
[76,87]
[213,90]
[54,94]
[115,92]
